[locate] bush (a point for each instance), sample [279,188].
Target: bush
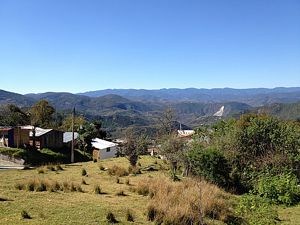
[110,217]
[256,210]
[83,172]
[25,215]
[117,171]
[211,164]
[281,189]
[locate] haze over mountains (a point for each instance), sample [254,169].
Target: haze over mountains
[132,107]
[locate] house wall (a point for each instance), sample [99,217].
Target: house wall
[53,140]
[21,137]
[104,154]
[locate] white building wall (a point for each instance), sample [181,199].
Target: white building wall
[105,155]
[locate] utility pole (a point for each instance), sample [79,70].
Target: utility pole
[72,150]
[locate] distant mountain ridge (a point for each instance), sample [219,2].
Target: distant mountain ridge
[252,96]
[121,108]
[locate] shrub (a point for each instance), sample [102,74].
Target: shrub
[129,216]
[256,210]
[281,189]
[211,164]
[97,190]
[110,217]
[83,172]
[117,171]
[25,215]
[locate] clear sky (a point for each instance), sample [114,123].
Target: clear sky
[81,45]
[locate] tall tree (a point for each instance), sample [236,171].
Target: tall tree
[41,113]
[11,115]
[135,145]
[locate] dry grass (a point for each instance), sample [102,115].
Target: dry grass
[117,171]
[183,202]
[40,185]
[66,207]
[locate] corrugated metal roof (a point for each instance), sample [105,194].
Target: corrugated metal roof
[102,144]
[68,136]
[39,131]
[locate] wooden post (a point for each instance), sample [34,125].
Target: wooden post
[72,150]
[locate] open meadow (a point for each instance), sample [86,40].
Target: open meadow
[85,193]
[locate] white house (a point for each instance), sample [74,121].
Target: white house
[103,149]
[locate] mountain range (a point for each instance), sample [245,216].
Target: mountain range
[120,108]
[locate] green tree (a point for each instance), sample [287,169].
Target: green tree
[41,114]
[211,164]
[79,123]
[173,148]
[135,145]
[90,131]
[11,115]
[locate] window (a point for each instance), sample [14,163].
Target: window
[108,150]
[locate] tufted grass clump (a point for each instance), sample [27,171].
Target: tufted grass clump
[129,216]
[110,217]
[83,172]
[97,190]
[25,215]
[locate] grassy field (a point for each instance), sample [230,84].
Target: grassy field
[74,207]
[290,215]
[86,207]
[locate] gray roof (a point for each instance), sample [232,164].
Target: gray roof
[68,136]
[39,132]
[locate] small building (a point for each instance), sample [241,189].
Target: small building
[187,134]
[103,149]
[14,137]
[47,138]
[67,139]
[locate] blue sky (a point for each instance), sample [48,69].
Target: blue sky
[81,45]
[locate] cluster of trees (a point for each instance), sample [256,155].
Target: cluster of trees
[242,155]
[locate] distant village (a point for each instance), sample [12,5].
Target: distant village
[26,137]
